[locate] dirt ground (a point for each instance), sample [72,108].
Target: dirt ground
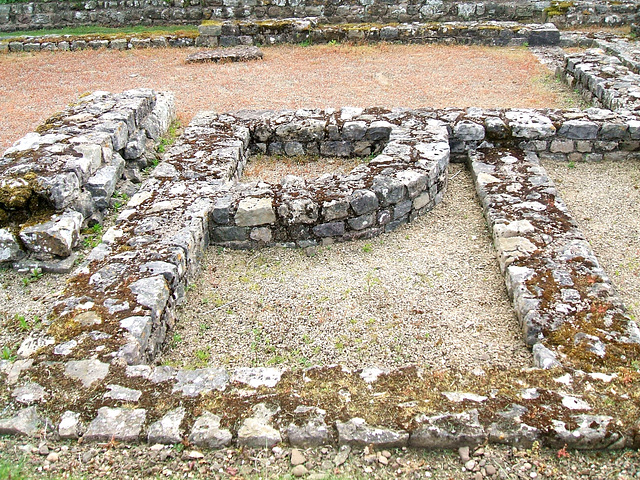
[34,86]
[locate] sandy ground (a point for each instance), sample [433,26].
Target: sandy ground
[34,86]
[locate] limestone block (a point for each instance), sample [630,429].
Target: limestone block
[448,431]
[357,432]
[26,422]
[206,432]
[255,211]
[167,430]
[116,424]
[56,237]
[10,250]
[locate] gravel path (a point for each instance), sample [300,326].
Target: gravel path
[411,296]
[604,198]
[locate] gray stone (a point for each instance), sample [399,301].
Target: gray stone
[357,432]
[193,382]
[389,190]
[468,131]
[335,209]
[118,392]
[312,433]
[29,393]
[255,211]
[70,426]
[256,431]
[529,125]
[257,376]
[362,222]
[56,237]
[103,183]
[116,424]
[86,371]
[152,292]
[579,130]
[363,201]
[590,432]
[332,229]
[206,432]
[448,431]
[136,146]
[26,422]
[10,250]
[510,430]
[167,430]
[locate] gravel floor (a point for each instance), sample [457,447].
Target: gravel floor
[31,459]
[604,198]
[411,296]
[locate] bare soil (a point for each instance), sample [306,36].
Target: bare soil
[37,85]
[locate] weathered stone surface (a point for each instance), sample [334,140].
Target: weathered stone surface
[29,393]
[234,54]
[193,382]
[256,431]
[255,211]
[70,426]
[257,377]
[206,432]
[55,237]
[312,433]
[167,430]
[10,250]
[448,431]
[116,424]
[86,371]
[357,432]
[118,392]
[26,422]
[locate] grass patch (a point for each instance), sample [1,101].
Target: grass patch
[140,30]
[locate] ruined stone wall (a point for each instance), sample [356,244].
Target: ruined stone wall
[48,14]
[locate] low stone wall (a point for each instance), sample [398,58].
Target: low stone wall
[602,79]
[309,30]
[405,179]
[62,177]
[91,376]
[50,14]
[64,43]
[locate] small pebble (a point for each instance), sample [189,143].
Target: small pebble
[53,457]
[464,454]
[297,458]
[299,471]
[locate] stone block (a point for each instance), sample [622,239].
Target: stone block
[579,130]
[116,424]
[56,237]
[10,250]
[363,201]
[206,432]
[255,211]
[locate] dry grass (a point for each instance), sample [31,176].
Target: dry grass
[35,86]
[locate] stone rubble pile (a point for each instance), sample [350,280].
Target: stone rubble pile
[62,177]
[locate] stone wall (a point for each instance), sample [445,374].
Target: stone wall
[48,14]
[57,180]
